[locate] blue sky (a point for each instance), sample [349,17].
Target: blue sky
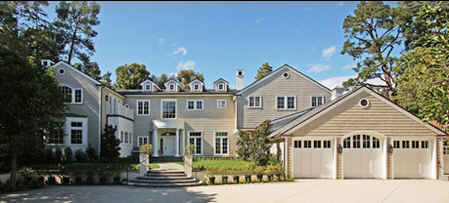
[217,38]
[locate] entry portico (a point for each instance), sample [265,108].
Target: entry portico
[168,137]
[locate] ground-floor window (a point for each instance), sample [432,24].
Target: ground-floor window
[221,143]
[142,140]
[76,132]
[195,139]
[55,139]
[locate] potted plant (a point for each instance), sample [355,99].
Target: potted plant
[224,177]
[211,174]
[236,176]
[52,180]
[259,172]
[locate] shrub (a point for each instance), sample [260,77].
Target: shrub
[110,145]
[52,180]
[49,155]
[58,155]
[91,154]
[147,149]
[90,177]
[68,155]
[80,156]
[189,150]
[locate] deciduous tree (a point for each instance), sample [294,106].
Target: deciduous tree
[130,76]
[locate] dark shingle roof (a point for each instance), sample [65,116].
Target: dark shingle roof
[205,92]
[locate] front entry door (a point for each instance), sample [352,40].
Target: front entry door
[168,145]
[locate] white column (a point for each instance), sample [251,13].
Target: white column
[155,151]
[335,150]
[177,142]
[183,141]
[385,158]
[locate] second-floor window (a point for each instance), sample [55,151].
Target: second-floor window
[142,140]
[255,102]
[168,109]
[143,107]
[286,102]
[72,96]
[318,100]
[195,105]
[221,103]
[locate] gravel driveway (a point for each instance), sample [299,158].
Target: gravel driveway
[300,191]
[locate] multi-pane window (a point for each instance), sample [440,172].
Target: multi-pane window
[74,96]
[356,141]
[286,102]
[415,144]
[221,103]
[396,144]
[67,93]
[317,144]
[196,86]
[297,144]
[405,144]
[316,101]
[168,109]
[326,144]
[347,142]
[307,144]
[76,136]
[366,141]
[255,102]
[142,140]
[143,107]
[195,139]
[122,138]
[56,139]
[78,96]
[221,143]
[424,144]
[195,104]
[376,143]
[221,86]
[126,138]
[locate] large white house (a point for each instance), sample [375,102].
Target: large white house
[320,133]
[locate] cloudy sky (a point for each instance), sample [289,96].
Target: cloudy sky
[217,38]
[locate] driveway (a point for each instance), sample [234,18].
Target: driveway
[300,191]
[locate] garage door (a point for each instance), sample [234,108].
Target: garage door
[362,157]
[446,156]
[412,158]
[313,158]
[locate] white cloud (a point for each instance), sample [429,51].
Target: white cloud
[180,50]
[349,66]
[259,20]
[334,81]
[317,68]
[329,52]
[185,65]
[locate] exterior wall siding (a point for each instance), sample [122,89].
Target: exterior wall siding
[295,85]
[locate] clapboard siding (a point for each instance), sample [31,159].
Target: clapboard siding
[379,116]
[277,85]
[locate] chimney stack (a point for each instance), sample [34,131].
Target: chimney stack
[239,79]
[337,92]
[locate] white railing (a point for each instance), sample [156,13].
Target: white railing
[121,110]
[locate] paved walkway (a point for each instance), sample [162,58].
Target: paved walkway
[348,191]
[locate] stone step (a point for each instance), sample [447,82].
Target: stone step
[172,174]
[162,177]
[191,180]
[162,185]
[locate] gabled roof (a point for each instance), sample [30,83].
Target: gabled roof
[195,81]
[76,70]
[173,80]
[283,67]
[220,80]
[321,110]
[148,80]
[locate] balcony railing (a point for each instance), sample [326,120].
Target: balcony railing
[121,110]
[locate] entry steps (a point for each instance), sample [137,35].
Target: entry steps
[164,178]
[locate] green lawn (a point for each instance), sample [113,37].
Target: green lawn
[223,164]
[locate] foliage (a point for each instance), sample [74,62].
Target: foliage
[130,76]
[110,145]
[263,71]
[75,22]
[59,157]
[81,156]
[68,155]
[372,33]
[186,76]
[189,149]
[91,153]
[255,145]
[49,155]
[147,149]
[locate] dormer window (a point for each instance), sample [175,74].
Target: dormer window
[196,87]
[148,87]
[172,87]
[221,86]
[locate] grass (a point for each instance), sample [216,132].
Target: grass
[223,164]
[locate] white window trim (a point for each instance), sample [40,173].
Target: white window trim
[69,128]
[172,90]
[286,103]
[255,107]
[195,101]
[221,144]
[143,105]
[138,140]
[225,103]
[200,87]
[202,141]
[162,109]
[148,84]
[323,100]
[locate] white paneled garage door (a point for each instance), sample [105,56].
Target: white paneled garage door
[412,157]
[446,156]
[362,157]
[313,158]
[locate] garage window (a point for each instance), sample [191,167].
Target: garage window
[366,141]
[376,143]
[424,144]
[297,143]
[317,144]
[356,141]
[396,144]
[405,144]
[307,144]
[326,144]
[347,142]
[415,144]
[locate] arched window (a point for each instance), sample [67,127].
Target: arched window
[67,92]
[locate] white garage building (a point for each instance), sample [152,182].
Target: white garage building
[360,135]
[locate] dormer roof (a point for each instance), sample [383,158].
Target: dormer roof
[150,82]
[220,80]
[175,81]
[196,81]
